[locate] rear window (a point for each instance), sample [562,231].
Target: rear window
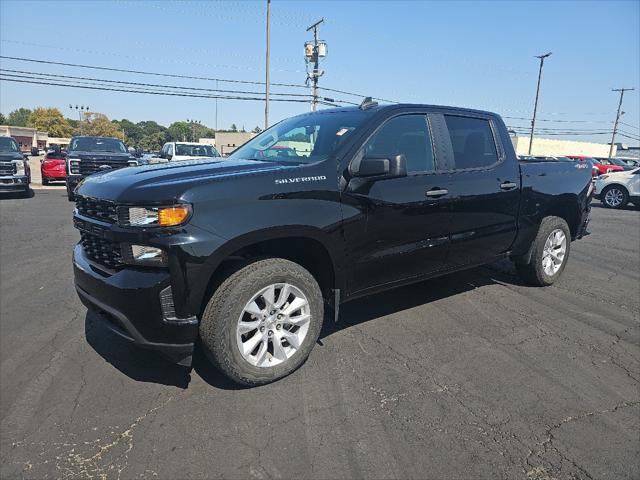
[472,141]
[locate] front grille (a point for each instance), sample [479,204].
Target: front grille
[8,168]
[102,251]
[98,209]
[87,167]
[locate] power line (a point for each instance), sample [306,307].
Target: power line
[150,84]
[150,92]
[141,72]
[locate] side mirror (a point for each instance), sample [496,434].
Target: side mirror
[168,156]
[381,167]
[34,151]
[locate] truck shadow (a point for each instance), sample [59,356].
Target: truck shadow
[136,363]
[147,366]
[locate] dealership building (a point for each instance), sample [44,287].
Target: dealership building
[26,137]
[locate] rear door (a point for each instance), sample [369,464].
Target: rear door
[484,187]
[397,228]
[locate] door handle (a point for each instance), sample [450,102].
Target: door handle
[508,185]
[437,192]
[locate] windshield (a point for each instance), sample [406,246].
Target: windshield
[189,150]
[303,139]
[96,144]
[619,163]
[8,144]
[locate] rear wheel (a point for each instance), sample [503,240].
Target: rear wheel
[615,196]
[263,321]
[550,251]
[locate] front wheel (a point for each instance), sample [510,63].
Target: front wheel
[615,197]
[262,322]
[549,253]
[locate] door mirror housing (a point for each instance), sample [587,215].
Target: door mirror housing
[381,167]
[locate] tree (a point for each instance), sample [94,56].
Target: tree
[49,120]
[233,128]
[179,132]
[19,117]
[256,130]
[3,120]
[132,131]
[153,142]
[150,127]
[98,124]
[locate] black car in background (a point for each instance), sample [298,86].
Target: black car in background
[15,175]
[89,155]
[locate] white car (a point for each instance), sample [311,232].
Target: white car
[176,151]
[617,189]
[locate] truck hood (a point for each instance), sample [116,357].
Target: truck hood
[165,182]
[9,156]
[111,156]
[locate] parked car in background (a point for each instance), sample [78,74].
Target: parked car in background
[53,167]
[177,151]
[617,189]
[241,256]
[15,175]
[87,155]
[613,162]
[548,158]
[631,162]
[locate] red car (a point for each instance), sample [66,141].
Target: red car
[53,167]
[598,166]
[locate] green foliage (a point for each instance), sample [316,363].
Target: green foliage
[233,128]
[49,120]
[153,142]
[98,124]
[256,130]
[19,117]
[3,120]
[179,132]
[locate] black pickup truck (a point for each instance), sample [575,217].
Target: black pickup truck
[87,155]
[15,175]
[241,255]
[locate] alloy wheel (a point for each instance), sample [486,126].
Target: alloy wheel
[614,197]
[554,252]
[273,325]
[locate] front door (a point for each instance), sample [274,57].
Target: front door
[397,228]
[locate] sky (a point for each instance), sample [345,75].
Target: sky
[470,54]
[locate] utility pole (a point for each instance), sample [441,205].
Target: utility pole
[266,91]
[535,106]
[615,125]
[313,52]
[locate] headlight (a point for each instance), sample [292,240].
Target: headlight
[144,255]
[20,167]
[154,216]
[74,166]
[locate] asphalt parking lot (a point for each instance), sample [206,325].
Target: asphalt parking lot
[473,375]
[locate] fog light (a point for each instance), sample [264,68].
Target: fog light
[144,255]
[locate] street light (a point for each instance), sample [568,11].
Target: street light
[80,109]
[193,128]
[535,106]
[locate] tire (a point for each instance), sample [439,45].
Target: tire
[45,181]
[225,312]
[615,196]
[71,196]
[538,272]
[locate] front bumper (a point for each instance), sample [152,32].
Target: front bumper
[129,303]
[14,183]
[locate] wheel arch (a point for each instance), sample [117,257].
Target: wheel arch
[308,246]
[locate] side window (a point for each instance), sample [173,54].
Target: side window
[472,141]
[170,149]
[406,135]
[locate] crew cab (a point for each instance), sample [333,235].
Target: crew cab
[87,155]
[178,151]
[617,189]
[241,255]
[15,175]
